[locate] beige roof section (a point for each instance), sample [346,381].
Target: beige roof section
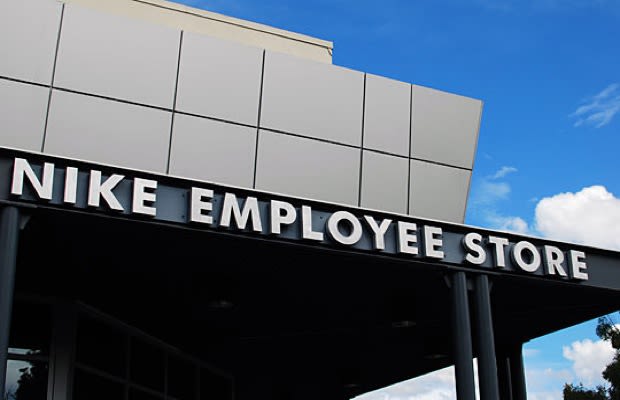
[218,25]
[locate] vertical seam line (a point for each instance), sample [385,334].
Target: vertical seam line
[409,159]
[471,175]
[174,102]
[359,189]
[260,106]
[49,96]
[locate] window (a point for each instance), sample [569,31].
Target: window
[114,361]
[29,344]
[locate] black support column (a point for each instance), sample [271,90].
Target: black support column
[485,340]
[461,339]
[517,374]
[9,234]
[503,377]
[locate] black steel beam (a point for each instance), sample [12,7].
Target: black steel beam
[461,339]
[485,340]
[9,235]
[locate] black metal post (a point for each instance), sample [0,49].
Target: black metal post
[9,234]
[461,339]
[517,374]
[487,368]
[503,377]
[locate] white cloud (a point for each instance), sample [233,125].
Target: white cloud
[589,360]
[590,216]
[546,383]
[437,385]
[599,109]
[503,171]
[490,191]
[550,395]
[528,353]
[542,384]
[508,223]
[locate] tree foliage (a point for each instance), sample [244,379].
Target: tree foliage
[606,330]
[578,392]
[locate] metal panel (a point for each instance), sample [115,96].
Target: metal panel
[28,35]
[213,151]
[312,99]
[107,131]
[219,79]
[384,182]
[22,114]
[438,192]
[444,127]
[117,57]
[307,168]
[387,115]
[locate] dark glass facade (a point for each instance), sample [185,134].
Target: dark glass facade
[111,360]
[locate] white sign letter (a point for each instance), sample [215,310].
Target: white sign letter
[250,209]
[97,190]
[472,241]
[500,257]
[71,175]
[554,258]
[406,235]
[378,230]
[432,241]
[577,265]
[198,205]
[306,225]
[21,167]
[277,218]
[528,265]
[141,196]
[333,228]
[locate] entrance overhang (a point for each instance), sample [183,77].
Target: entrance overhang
[294,297]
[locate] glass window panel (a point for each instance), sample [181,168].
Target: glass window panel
[137,394]
[30,329]
[26,380]
[214,386]
[147,365]
[181,379]
[101,346]
[93,387]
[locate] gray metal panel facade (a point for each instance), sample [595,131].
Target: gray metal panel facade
[382,182]
[136,94]
[438,191]
[117,57]
[22,114]
[219,79]
[307,168]
[111,132]
[387,115]
[312,99]
[212,150]
[444,127]
[28,34]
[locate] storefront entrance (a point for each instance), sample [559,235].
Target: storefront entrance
[70,350]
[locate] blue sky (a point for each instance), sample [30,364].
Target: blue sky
[548,72]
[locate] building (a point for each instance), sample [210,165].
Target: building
[196,206]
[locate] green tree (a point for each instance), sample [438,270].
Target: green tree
[578,392]
[606,330]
